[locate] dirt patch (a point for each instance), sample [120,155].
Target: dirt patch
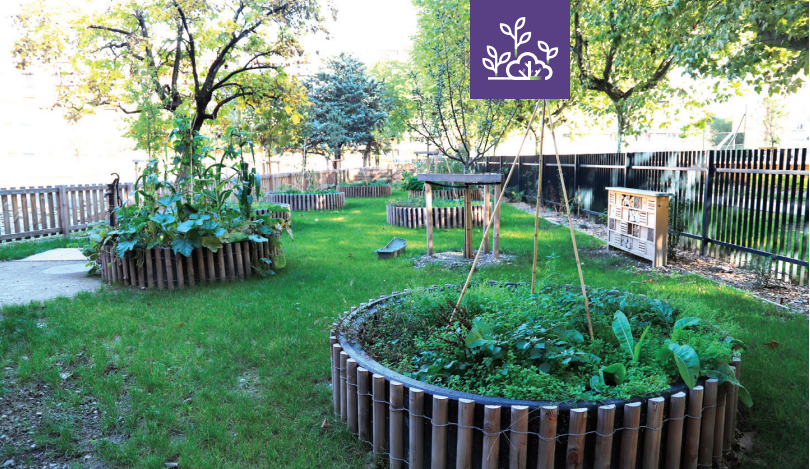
[35,432]
[792,297]
[456,260]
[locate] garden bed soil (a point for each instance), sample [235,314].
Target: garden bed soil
[792,297]
[425,421]
[456,260]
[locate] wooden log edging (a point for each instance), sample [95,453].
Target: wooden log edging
[433,427]
[283,215]
[304,202]
[476,194]
[162,268]
[443,217]
[366,191]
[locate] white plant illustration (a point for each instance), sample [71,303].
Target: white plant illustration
[550,53]
[496,61]
[530,67]
[524,38]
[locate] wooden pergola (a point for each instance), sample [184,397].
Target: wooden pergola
[465,181]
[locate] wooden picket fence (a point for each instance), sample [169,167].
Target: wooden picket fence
[366,191]
[443,217]
[31,212]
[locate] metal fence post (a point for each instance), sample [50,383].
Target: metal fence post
[707,204]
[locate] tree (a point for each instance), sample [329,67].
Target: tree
[624,50]
[199,56]
[462,129]
[347,105]
[773,120]
[764,43]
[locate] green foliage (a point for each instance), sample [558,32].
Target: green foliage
[364,183]
[503,338]
[285,189]
[189,210]
[347,106]
[411,183]
[184,55]
[462,129]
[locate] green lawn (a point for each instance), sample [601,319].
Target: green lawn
[237,375]
[11,251]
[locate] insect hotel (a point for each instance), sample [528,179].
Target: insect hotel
[638,223]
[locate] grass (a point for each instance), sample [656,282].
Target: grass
[21,249]
[237,375]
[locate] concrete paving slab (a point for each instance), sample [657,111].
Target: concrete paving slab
[23,282]
[57,255]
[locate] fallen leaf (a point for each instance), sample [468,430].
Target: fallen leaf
[351,255]
[747,442]
[325,425]
[772,344]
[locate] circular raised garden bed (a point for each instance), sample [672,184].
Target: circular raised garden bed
[283,215]
[304,202]
[476,194]
[162,268]
[443,217]
[365,191]
[423,425]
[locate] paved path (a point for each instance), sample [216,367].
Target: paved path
[58,272]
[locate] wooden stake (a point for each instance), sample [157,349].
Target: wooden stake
[548,437]
[677,405]
[575,455]
[629,445]
[571,227]
[537,208]
[707,425]
[438,446]
[496,213]
[464,449]
[652,437]
[519,427]
[429,210]
[416,428]
[693,422]
[604,436]
[344,396]
[351,394]
[492,434]
[378,419]
[364,404]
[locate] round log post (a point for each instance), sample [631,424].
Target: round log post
[575,455]
[519,427]
[416,427]
[604,436]
[492,437]
[548,437]
[677,405]
[652,436]
[629,448]
[438,445]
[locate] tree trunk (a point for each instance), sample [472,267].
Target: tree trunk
[366,154]
[620,124]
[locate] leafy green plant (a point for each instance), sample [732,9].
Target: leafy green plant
[364,183]
[312,189]
[761,267]
[185,209]
[505,341]
[411,183]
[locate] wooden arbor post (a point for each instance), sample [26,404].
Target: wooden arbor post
[429,215]
[468,223]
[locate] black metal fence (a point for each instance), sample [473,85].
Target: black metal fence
[742,206]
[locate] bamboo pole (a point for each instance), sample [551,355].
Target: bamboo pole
[571,226]
[496,212]
[537,208]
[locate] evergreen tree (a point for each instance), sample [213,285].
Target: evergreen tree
[347,107]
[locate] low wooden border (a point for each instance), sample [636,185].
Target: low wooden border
[304,202]
[366,191]
[443,217]
[163,269]
[283,215]
[418,425]
[453,194]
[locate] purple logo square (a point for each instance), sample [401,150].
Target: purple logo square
[520,49]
